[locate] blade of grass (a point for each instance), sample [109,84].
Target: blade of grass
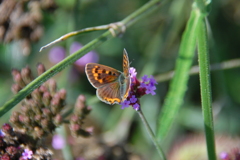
[204,73]
[178,86]
[205,86]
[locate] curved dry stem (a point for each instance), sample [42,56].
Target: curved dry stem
[113,27]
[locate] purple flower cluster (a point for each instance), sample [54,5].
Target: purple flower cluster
[138,89]
[58,53]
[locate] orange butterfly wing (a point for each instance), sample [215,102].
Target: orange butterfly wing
[112,85]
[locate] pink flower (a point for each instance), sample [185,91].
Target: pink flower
[90,57]
[27,154]
[56,54]
[58,142]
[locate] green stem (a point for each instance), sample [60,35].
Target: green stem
[141,12]
[66,150]
[151,134]
[229,64]
[149,7]
[205,85]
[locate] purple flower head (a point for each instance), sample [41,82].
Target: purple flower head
[74,47]
[27,154]
[152,81]
[138,89]
[90,57]
[143,85]
[145,79]
[150,89]
[149,84]
[224,156]
[133,99]
[56,54]
[125,104]
[58,142]
[136,106]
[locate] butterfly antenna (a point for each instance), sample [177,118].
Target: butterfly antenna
[131,61]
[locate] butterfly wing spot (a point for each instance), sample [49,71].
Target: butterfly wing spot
[103,71]
[97,72]
[112,100]
[109,93]
[100,80]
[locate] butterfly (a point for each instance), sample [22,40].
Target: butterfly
[112,85]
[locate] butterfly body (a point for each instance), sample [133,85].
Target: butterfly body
[112,85]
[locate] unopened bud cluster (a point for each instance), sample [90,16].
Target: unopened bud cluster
[40,114]
[81,110]
[21,20]
[40,111]
[15,145]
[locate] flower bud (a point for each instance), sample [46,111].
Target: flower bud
[18,79]
[46,99]
[57,119]
[26,75]
[52,86]
[41,69]
[36,94]
[62,94]
[15,88]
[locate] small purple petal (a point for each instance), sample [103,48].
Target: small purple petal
[58,142]
[145,79]
[133,99]
[125,104]
[56,54]
[27,154]
[136,106]
[150,90]
[132,72]
[143,85]
[152,80]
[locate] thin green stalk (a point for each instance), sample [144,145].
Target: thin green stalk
[229,64]
[141,12]
[66,150]
[151,134]
[149,7]
[205,85]
[178,84]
